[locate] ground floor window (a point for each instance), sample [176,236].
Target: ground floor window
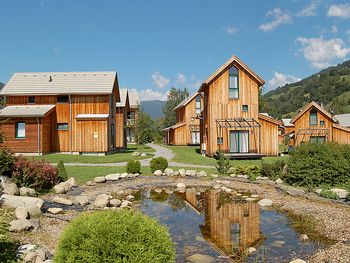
[317,139]
[195,137]
[239,141]
[20,130]
[62,126]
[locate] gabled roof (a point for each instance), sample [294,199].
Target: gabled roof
[225,66]
[287,123]
[25,111]
[187,100]
[269,119]
[343,119]
[55,83]
[310,105]
[178,125]
[134,99]
[123,98]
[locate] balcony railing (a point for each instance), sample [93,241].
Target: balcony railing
[130,122]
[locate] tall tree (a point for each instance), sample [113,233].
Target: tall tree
[145,128]
[175,96]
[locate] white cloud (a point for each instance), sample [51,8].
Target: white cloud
[180,78]
[280,79]
[159,80]
[148,94]
[310,10]
[341,10]
[279,18]
[231,30]
[334,29]
[320,53]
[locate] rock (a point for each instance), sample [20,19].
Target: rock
[304,237]
[233,175]
[81,200]
[181,185]
[33,257]
[342,193]
[136,175]
[298,260]
[143,154]
[22,213]
[265,202]
[251,250]
[254,196]
[130,197]
[102,200]
[12,201]
[182,172]
[123,175]
[169,191]
[100,179]
[131,176]
[278,181]
[61,200]
[64,187]
[158,173]
[200,239]
[318,191]
[191,172]
[228,190]
[90,183]
[55,210]
[136,154]
[115,202]
[125,203]
[202,173]
[24,250]
[243,176]
[176,173]
[215,175]
[9,187]
[169,172]
[263,178]
[200,258]
[26,191]
[250,199]
[225,182]
[216,186]
[21,225]
[158,190]
[33,211]
[113,177]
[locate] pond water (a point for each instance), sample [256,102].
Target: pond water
[223,226]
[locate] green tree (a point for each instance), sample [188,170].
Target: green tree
[145,128]
[175,96]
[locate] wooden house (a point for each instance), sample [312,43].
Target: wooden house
[132,116]
[122,109]
[66,112]
[231,122]
[314,123]
[186,131]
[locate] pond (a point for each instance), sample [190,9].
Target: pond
[224,226]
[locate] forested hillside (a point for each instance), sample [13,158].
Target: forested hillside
[153,107]
[330,87]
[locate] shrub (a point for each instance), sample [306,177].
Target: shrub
[315,164]
[62,173]
[329,194]
[272,170]
[133,167]
[39,175]
[223,165]
[110,236]
[159,163]
[6,162]
[251,170]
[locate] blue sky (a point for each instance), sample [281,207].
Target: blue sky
[157,44]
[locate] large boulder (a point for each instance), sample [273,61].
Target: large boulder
[200,258]
[19,225]
[9,187]
[81,200]
[64,187]
[169,172]
[341,193]
[61,200]
[202,174]
[115,202]
[100,179]
[12,201]
[265,202]
[22,213]
[191,172]
[102,200]
[182,172]
[26,191]
[113,177]
[181,185]
[158,173]
[55,210]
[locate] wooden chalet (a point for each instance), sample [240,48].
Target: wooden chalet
[231,122]
[66,112]
[313,123]
[186,131]
[122,109]
[132,116]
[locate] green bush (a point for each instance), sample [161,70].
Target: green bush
[347,197]
[223,165]
[6,162]
[272,170]
[133,167]
[109,236]
[315,164]
[159,163]
[251,170]
[329,194]
[62,173]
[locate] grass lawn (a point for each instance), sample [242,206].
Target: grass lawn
[190,154]
[8,245]
[111,158]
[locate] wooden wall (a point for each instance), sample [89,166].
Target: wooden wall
[341,135]
[91,136]
[121,141]
[180,135]
[45,135]
[269,137]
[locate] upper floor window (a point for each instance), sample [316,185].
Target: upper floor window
[245,108]
[31,100]
[321,123]
[62,126]
[313,118]
[131,115]
[198,105]
[20,130]
[233,83]
[62,99]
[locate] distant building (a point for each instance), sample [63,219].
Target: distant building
[132,116]
[122,109]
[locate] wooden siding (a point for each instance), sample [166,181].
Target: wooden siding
[269,137]
[121,128]
[341,135]
[45,136]
[91,136]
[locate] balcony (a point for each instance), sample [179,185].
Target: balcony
[130,122]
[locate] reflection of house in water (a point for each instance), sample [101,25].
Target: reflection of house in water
[231,227]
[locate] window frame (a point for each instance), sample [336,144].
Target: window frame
[62,102]
[198,105]
[322,123]
[31,97]
[245,108]
[313,113]
[62,123]
[233,72]
[16,130]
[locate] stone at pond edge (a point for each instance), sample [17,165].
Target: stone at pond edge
[10,188]
[181,185]
[115,202]
[169,172]
[200,258]
[64,187]
[21,225]
[304,237]
[42,254]
[130,197]
[113,177]
[100,179]
[61,200]
[278,181]
[201,174]
[125,203]
[182,172]
[90,183]
[102,200]
[26,191]
[22,213]
[81,200]
[123,175]
[342,193]
[298,260]
[158,173]
[251,250]
[12,201]
[55,210]
[265,202]
[191,172]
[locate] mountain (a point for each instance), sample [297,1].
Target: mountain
[329,87]
[153,107]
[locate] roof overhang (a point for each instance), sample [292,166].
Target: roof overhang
[187,100]
[316,106]
[92,116]
[175,126]
[270,119]
[26,111]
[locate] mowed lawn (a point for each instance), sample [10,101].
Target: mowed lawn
[111,158]
[191,155]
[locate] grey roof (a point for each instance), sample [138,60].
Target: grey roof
[52,83]
[123,95]
[186,100]
[287,123]
[344,119]
[134,99]
[25,111]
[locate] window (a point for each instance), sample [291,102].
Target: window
[62,99]
[220,140]
[31,100]
[62,126]
[245,108]
[313,118]
[235,234]
[20,130]
[131,115]
[198,105]
[233,83]
[317,139]
[321,123]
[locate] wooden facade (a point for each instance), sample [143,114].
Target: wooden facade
[121,122]
[226,118]
[132,117]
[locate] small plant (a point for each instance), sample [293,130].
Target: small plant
[159,163]
[62,173]
[133,167]
[223,165]
[109,236]
[272,170]
[329,194]
[347,197]
[6,162]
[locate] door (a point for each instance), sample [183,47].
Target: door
[239,141]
